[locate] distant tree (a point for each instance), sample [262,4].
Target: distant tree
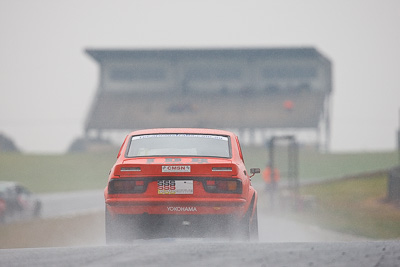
[7,145]
[86,144]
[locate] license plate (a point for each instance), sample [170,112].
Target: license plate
[175,187]
[175,168]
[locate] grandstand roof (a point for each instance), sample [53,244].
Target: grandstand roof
[106,54]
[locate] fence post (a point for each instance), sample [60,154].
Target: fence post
[394,184]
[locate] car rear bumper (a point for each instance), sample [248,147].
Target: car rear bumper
[166,226]
[234,206]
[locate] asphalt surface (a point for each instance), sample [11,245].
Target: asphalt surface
[282,243]
[206,253]
[71,203]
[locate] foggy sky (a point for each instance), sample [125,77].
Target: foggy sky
[47,83]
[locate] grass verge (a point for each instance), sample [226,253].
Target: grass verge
[78,230]
[57,173]
[354,206]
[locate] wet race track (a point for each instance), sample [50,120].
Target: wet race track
[282,243]
[205,253]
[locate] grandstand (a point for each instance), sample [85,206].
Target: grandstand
[257,88]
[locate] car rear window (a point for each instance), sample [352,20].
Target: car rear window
[199,145]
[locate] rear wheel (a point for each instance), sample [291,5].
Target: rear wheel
[110,228]
[254,227]
[121,228]
[247,228]
[240,230]
[114,228]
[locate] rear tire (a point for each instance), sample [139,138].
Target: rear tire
[254,227]
[240,230]
[124,228]
[114,228]
[247,228]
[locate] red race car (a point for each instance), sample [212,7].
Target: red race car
[180,183]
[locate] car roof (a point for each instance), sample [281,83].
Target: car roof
[182,130]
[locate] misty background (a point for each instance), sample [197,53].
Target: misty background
[47,82]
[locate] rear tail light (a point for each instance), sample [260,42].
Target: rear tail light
[231,186]
[130,169]
[126,186]
[221,169]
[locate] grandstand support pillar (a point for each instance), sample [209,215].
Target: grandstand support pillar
[318,137]
[96,134]
[398,139]
[99,134]
[246,135]
[252,136]
[88,133]
[326,126]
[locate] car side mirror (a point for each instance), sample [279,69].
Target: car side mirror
[254,171]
